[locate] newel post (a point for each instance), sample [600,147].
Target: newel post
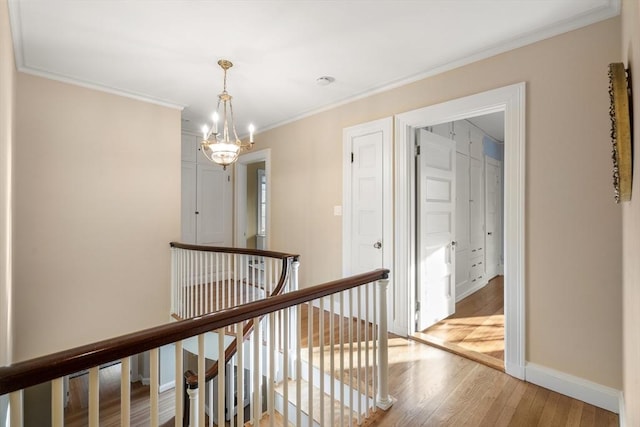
[295,265]
[193,406]
[383,398]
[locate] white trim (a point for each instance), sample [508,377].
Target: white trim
[385,126]
[595,394]
[240,195]
[16,35]
[511,100]
[470,290]
[166,386]
[611,9]
[622,413]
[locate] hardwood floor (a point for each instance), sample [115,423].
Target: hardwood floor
[432,388]
[476,330]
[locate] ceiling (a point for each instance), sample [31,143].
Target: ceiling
[165,51]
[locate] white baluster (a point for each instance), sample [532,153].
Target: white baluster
[213,284]
[179,384]
[154,385]
[294,275]
[384,400]
[205,282]
[173,281]
[94,396]
[352,406]
[221,378]
[359,360]
[211,396]
[15,407]
[125,391]
[201,381]
[272,366]
[374,353]
[341,342]
[285,365]
[298,365]
[332,361]
[321,348]
[240,362]
[366,346]
[310,357]
[257,389]
[57,403]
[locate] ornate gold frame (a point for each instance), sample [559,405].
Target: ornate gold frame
[620,95]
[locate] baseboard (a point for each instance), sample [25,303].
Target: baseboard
[145,380]
[166,386]
[595,394]
[470,290]
[622,416]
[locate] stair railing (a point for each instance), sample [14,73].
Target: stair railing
[206,279]
[345,362]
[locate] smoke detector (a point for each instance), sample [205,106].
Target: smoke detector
[325,80]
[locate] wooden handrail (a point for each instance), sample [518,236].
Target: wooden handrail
[35,371]
[240,251]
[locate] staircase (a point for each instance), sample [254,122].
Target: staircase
[310,357]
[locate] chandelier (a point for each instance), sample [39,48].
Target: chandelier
[221,144]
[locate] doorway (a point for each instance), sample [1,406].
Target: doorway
[511,101]
[459,291]
[252,193]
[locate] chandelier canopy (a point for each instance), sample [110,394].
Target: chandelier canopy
[221,144]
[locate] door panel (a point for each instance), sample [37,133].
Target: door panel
[493,216]
[366,193]
[436,188]
[214,201]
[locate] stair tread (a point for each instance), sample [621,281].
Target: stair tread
[304,404]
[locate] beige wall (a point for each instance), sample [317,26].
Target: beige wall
[631,228]
[573,228]
[96,203]
[7,121]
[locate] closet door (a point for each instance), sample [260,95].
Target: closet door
[462,223]
[214,206]
[189,207]
[493,207]
[476,221]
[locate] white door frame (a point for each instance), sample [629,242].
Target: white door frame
[386,127]
[511,100]
[240,192]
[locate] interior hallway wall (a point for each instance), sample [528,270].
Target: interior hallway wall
[573,230]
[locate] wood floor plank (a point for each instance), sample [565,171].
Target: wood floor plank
[588,418]
[549,410]
[575,413]
[476,329]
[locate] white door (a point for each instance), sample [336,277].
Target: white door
[366,194]
[367,201]
[189,205]
[214,206]
[493,206]
[436,228]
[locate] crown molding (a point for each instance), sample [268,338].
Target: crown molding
[610,10]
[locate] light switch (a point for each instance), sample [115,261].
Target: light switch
[337,210]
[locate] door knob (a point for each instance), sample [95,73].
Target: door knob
[377,244]
[490,233]
[453,243]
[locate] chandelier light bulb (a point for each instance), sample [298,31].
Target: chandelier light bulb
[252,129]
